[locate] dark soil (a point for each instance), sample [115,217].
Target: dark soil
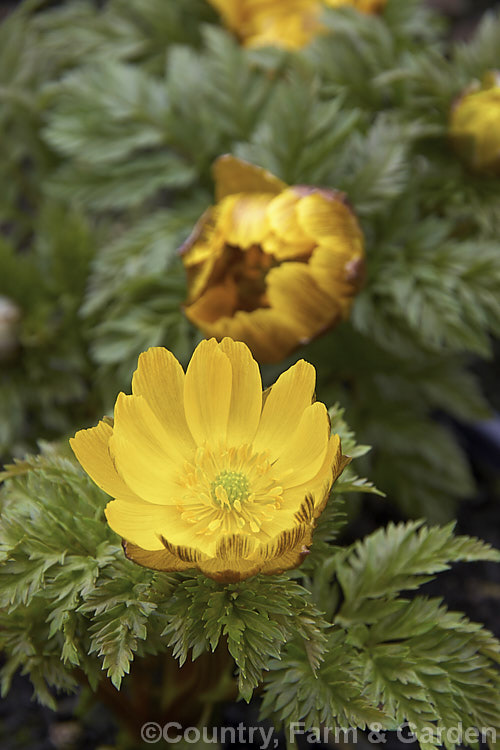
[464,14]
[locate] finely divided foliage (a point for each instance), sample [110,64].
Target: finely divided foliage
[331,643]
[391,658]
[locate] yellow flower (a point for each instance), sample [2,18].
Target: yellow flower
[281,23]
[207,471]
[475,125]
[365,6]
[271,265]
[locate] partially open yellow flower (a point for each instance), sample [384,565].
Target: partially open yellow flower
[281,23]
[475,125]
[271,265]
[207,471]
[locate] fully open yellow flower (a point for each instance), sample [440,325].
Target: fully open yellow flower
[475,125]
[207,471]
[271,265]
[281,23]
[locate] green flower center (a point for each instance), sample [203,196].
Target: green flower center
[230,488]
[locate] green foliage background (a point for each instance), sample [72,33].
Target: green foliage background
[110,120]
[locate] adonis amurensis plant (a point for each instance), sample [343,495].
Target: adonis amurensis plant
[221,497]
[314,189]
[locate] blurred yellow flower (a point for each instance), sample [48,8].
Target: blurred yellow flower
[281,23]
[475,125]
[207,471]
[271,265]
[365,6]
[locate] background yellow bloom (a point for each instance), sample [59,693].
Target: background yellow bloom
[291,24]
[475,125]
[208,473]
[271,265]
[281,23]
[365,6]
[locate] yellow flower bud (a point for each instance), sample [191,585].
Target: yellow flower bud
[271,265]
[475,125]
[207,471]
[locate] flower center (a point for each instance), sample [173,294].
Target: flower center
[248,270]
[229,491]
[230,488]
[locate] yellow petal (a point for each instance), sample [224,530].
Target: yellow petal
[160,379]
[271,22]
[198,246]
[246,393]
[207,393]
[156,560]
[169,526]
[290,25]
[282,214]
[244,218]
[365,6]
[285,250]
[318,488]
[292,393]
[304,452]
[203,252]
[265,331]
[323,214]
[233,175]
[330,262]
[91,449]
[217,302]
[185,553]
[139,522]
[234,559]
[229,571]
[335,461]
[293,291]
[235,547]
[145,455]
[286,518]
[288,550]
[338,270]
